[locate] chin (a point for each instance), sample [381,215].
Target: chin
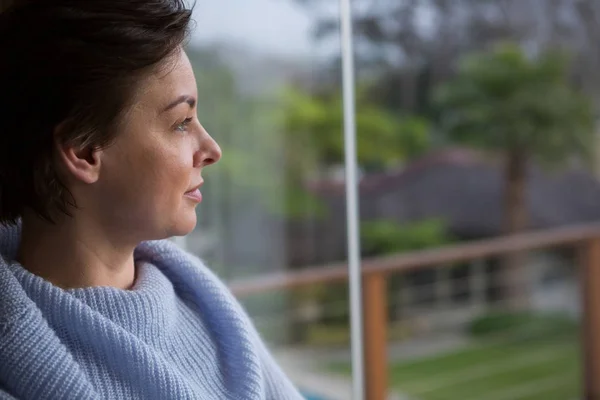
[184,225]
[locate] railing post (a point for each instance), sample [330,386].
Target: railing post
[375,333]
[591,328]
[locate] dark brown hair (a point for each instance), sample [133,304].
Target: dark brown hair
[74,64]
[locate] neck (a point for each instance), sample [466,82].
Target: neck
[74,253]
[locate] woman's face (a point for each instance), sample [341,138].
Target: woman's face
[148,179]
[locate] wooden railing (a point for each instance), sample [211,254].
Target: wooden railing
[586,238]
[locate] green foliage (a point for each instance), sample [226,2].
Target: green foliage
[385,237]
[314,125]
[504,100]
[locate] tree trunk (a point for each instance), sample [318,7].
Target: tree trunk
[516,219]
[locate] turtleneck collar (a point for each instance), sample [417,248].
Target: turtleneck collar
[145,310]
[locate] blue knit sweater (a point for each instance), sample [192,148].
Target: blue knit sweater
[178,334]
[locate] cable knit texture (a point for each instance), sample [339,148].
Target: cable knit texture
[178,334]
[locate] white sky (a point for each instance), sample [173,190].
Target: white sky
[275,26]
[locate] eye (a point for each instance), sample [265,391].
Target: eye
[182,127]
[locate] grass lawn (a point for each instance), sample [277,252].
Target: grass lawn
[542,369]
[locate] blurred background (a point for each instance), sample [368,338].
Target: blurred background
[476,120]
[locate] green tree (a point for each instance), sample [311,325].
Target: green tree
[301,135]
[521,108]
[314,123]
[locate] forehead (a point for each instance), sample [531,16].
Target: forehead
[172,79]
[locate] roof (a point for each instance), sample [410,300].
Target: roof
[466,190]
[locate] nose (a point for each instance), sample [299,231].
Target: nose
[209,153]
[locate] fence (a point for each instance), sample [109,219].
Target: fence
[584,239]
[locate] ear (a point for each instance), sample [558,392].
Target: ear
[81,163]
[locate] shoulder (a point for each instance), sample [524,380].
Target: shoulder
[14,302]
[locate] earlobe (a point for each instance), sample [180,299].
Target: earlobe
[82,164]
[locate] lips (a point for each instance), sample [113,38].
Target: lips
[194,194]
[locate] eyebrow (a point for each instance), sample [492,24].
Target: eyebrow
[181,99]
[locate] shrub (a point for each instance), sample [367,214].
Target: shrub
[385,237]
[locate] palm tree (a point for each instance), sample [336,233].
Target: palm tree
[521,108]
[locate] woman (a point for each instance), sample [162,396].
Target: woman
[101,155]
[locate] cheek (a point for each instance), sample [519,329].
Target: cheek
[172,180]
[167,177]
[148,181]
